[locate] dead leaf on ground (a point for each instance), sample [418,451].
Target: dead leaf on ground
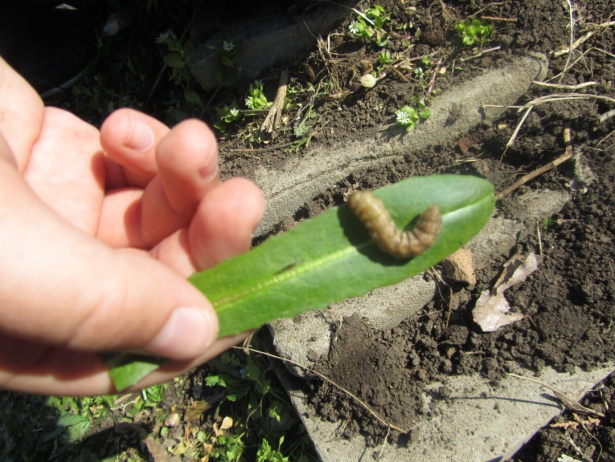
[492,310]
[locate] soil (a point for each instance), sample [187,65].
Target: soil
[568,303]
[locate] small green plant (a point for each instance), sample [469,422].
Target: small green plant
[246,380]
[267,454]
[548,223]
[256,99]
[385,59]
[419,73]
[226,69]
[176,57]
[370,24]
[251,383]
[473,31]
[408,117]
[226,115]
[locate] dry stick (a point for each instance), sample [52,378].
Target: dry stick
[274,117]
[545,168]
[606,115]
[553,98]
[576,44]
[329,381]
[513,137]
[581,57]
[582,40]
[572,20]
[564,87]
[478,55]
[384,445]
[568,403]
[566,96]
[494,18]
[491,5]
[432,82]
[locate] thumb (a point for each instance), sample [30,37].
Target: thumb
[141,305]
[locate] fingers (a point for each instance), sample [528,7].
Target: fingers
[188,165]
[221,228]
[130,138]
[64,288]
[186,159]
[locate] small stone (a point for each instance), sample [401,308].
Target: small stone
[368,80]
[172,420]
[459,267]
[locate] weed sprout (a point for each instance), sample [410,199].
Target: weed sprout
[408,117]
[370,24]
[473,31]
[256,99]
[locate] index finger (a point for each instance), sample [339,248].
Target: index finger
[129,138]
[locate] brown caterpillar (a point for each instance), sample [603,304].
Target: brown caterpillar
[382,229]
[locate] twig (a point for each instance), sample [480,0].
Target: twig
[572,21]
[478,55]
[577,43]
[605,138]
[606,115]
[490,5]
[494,18]
[581,57]
[553,98]
[583,39]
[564,97]
[539,171]
[274,116]
[539,236]
[564,87]
[568,403]
[329,381]
[384,445]
[513,137]
[432,82]
[487,106]
[580,41]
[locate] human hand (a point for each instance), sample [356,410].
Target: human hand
[98,232]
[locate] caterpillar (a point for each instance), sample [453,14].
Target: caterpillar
[382,229]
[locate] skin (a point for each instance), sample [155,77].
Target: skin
[98,232]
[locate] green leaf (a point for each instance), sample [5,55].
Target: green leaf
[127,369]
[331,257]
[174,60]
[425,113]
[192,97]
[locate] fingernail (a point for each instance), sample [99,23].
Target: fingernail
[141,138]
[209,171]
[187,334]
